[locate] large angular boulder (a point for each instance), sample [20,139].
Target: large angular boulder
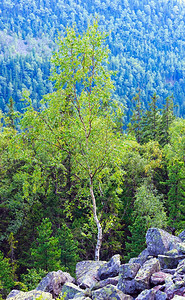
[159,241]
[80,297]
[69,290]
[181,248]
[180,268]
[85,295]
[143,256]
[172,288]
[102,283]
[54,281]
[32,295]
[146,295]
[142,278]
[129,271]
[127,286]
[111,268]
[160,295]
[159,278]
[169,262]
[182,235]
[87,272]
[110,292]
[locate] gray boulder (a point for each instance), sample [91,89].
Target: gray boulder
[128,271]
[169,287]
[69,290]
[127,286]
[160,295]
[182,235]
[13,293]
[141,259]
[146,295]
[110,269]
[181,248]
[159,278]
[87,272]
[142,278]
[172,253]
[169,262]
[110,292]
[159,241]
[54,281]
[102,283]
[80,297]
[29,295]
[180,268]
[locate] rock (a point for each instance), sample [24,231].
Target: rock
[128,271]
[101,284]
[182,235]
[13,293]
[173,252]
[85,295]
[110,269]
[158,278]
[169,287]
[81,297]
[54,281]
[181,248]
[160,295]
[169,271]
[159,241]
[127,286]
[141,259]
[142,278]
[110,292]
[179,282]
[87,272]
[69,290]
[146,295]
[34,294]
[180,268]
[169,262]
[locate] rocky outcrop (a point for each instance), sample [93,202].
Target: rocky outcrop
[159,241]
[54,281]
[87,272]
[142,279]
[110,269]
[18,295]
[158,273]
[109,292]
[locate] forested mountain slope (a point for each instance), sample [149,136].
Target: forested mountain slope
[73,185]
[146,39]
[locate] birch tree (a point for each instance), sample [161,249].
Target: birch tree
[79,120]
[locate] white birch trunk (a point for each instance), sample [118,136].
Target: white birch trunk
[99,236]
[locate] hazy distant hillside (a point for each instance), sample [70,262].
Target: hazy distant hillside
[146,39]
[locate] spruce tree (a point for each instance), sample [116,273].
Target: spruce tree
[69,249]
[46,251]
